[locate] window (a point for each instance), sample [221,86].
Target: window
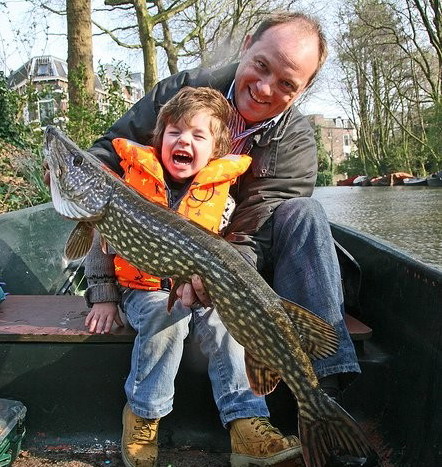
[47,111]
[346,140]
[42,69]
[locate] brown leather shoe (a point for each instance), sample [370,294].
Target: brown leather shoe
[139,442]
[256,442]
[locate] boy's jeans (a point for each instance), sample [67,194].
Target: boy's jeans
[157,353]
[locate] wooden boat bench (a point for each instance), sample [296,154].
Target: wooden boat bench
[52,318]
[60,318]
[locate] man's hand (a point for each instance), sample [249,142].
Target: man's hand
[46,174]
[193,293]
[102,316]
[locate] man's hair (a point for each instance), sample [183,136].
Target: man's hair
[186,104]
[307,23]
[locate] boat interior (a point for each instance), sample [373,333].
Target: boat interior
[72,382]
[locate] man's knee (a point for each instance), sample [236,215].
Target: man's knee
[305,209]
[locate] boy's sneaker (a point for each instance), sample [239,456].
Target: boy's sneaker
[256,442]
[139,442]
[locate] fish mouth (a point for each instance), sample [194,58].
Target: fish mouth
[67,196]
[182,158]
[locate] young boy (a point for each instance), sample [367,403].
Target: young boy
[185,171]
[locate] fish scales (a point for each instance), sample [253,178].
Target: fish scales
[159,241]
[261,336]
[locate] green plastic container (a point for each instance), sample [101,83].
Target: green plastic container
[12,430]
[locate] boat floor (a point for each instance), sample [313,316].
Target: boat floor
[112,458]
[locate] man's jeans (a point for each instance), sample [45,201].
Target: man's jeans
[157,353]
[306,271]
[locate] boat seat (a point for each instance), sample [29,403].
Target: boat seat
[359,332]
[52,318]
[60,318]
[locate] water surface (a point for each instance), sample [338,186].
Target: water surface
[408,217]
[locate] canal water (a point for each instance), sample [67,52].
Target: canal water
[407,217]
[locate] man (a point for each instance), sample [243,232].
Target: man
[276,226]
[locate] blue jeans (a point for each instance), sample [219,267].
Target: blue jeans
[157,353]
[306,271]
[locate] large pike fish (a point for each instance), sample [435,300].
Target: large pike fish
[280,337]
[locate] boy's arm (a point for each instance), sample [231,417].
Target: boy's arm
[103,293]
[100,274]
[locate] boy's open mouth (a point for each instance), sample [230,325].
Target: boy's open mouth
[182,158]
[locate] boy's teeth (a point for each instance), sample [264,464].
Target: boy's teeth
[182,158]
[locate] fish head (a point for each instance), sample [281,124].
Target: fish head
[80,185]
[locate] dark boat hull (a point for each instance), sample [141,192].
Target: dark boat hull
[435,180]
[415,181]
[402,301]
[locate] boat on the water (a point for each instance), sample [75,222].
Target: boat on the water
[362,180]
[395,178]
[435,179]
[71,382]
[347,181]
[415,181]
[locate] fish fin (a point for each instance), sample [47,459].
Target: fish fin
[319,338]
[79,241]
[328,432]
[172,294]
[262,380]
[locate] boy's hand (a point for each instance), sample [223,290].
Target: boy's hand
[102,316]
[194,292]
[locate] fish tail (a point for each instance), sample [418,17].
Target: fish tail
[327,431]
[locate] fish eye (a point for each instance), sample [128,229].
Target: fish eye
[78,160]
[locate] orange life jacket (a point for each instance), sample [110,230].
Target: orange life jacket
[204,201]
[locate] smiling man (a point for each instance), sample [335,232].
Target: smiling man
[268,78]
[276,225]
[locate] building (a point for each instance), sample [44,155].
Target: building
[338,136]
[48,77]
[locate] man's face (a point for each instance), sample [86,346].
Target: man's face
[274,71]
[187,147]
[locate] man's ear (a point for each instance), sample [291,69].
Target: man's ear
[246,43]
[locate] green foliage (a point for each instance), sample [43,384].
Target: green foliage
[88,121]
[12,129]
[433,119]
[82,115]
[21,183]
[325,169]
[354,165]
[324,179]
[21,157]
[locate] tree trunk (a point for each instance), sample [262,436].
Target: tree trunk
[147,41]
[80,59]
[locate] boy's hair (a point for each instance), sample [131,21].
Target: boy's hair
[186,104]
[307,23]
